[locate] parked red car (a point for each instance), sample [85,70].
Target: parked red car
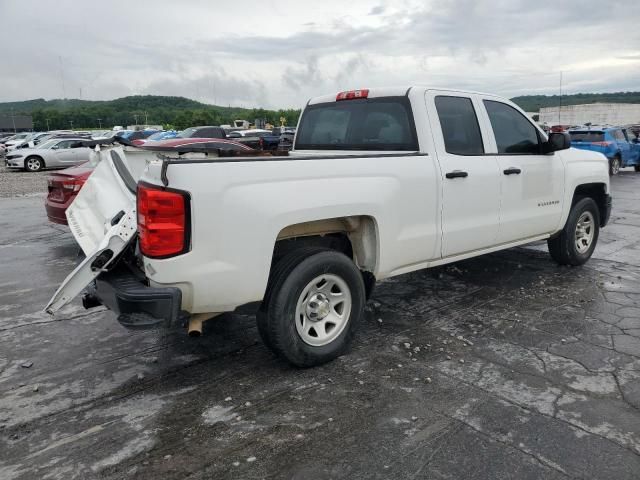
[65,184]
[63,187]
[177,143]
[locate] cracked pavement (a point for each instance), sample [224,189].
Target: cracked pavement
[503,366]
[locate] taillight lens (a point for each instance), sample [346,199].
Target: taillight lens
[73,184]
[162,221]
[602,144]
[353,94]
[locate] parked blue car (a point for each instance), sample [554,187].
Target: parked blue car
[619,145]
[163,135]
[132,135]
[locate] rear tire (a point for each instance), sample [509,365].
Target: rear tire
[33,164]
[313,304]
[614,165]
[577,240]
[636,168]
[280,267]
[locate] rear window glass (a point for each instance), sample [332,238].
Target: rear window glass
[588,136]
[366,124]
[618,135]
[459,125]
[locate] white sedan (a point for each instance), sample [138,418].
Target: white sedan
[54,153]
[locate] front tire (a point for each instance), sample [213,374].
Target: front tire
[577,240]
[33,164]
[636,168]
[313,304]
[614,165]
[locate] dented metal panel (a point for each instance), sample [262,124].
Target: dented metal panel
[103,221]
[107,251]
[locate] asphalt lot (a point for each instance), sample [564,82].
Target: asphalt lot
[504,366]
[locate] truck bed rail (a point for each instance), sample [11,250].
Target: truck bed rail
[228,157]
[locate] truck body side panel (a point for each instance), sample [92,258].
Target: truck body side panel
[240,207]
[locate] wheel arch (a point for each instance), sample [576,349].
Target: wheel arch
[355,236]
[596,191]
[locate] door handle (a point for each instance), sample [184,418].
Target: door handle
[457,174]
[512,171]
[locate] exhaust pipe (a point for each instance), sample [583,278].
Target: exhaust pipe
[195,326]
[195,323]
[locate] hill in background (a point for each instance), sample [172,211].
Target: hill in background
[172,112]
[533,103]
[180,112]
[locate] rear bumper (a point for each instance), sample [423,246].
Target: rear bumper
[137,305]
[56,211]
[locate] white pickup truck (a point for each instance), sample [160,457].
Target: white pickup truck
[380,182]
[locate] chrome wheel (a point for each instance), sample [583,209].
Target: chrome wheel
[323,310]
[615,166]
[585,230]
[33,164]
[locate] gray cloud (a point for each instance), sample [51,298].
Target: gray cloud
[217,88]
[298,77]
[256,55]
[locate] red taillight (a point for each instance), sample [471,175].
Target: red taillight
[601,144]
[353,94]
[73,184]
[162,221]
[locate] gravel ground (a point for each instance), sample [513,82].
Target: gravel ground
[15,183]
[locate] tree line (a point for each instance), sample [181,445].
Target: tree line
[170,112]
[533,103]
[180,112]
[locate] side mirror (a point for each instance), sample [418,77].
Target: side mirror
[557,141]
[55,147]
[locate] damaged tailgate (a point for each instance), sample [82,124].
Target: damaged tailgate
[102,219]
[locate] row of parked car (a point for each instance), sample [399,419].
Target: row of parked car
[33,152]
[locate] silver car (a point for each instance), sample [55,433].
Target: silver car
[54,153]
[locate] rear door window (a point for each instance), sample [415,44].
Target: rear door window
[513,132]
[459,125]
[65,144]
[384,123]
[619,136]
[587,136]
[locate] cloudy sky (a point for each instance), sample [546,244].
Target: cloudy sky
[278,53]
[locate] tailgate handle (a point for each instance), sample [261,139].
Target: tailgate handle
[117,217]
[101,260]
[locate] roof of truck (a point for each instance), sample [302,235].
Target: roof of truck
[397,91]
